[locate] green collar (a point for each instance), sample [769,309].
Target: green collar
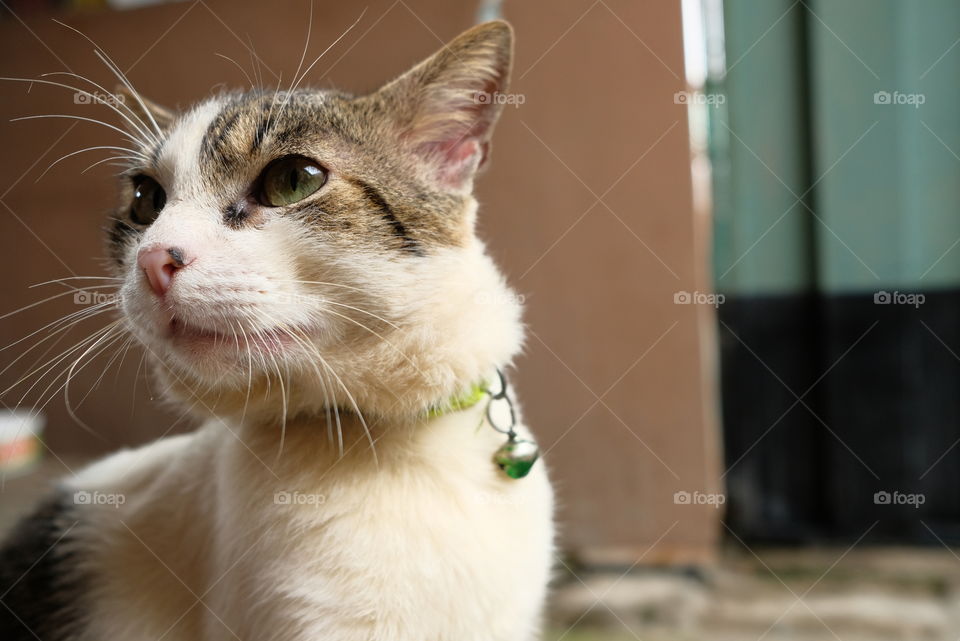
[464,401]
[515,457]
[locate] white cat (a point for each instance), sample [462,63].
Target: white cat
[302,270]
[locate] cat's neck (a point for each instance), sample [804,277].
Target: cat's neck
[308,447]
[458,343]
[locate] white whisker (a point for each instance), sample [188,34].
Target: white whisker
[139,125]
[54,362]
[112,66]
[68,321]
[298,80]
[92,96]
[134,154]
[242,70]
[320,282]
[71,372]
[362,311]
[48,299]
[60,280]
[105,160]
[71,410]
[379,336]
[129,116]
[83,118]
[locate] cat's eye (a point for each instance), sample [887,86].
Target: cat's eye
[148,200]
[290,179]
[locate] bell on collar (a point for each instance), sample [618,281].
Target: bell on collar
[516,457]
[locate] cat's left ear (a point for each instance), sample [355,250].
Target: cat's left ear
[447,105]
[146,110]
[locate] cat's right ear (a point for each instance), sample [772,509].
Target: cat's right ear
[145,110]
[446,106]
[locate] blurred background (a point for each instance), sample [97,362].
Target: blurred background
[735,227]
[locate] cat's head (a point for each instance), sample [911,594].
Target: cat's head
[293,250]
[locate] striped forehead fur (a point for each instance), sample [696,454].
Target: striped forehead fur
[376,197]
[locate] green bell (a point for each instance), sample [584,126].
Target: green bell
[517,457]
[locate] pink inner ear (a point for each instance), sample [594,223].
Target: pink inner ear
[451,129]
[456,159]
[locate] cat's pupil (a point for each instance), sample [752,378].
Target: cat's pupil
[294,179]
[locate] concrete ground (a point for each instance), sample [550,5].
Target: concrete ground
[869,594]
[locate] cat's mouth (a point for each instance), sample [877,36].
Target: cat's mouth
[193,338]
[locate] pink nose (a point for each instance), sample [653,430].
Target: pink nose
[159,265]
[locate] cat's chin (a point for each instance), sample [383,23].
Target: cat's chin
[200,342]
[217,358]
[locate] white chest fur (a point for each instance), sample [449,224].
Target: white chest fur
[218,537]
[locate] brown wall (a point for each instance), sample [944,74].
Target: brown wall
[598,119]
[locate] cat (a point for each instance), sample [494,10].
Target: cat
[302,270]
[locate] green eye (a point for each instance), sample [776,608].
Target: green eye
[148,200]
[289,180]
